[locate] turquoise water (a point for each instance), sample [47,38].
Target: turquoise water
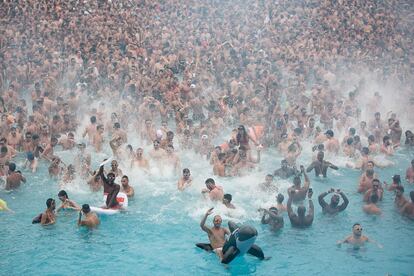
[157,234]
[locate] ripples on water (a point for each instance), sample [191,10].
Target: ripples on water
[158,232]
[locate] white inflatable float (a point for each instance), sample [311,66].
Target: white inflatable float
[122,200]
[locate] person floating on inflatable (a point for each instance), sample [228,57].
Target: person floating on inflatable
[241,241]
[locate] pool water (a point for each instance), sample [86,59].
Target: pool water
[157,235]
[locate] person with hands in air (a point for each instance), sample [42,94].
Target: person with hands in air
[216,234]
[333,207]
[300,220]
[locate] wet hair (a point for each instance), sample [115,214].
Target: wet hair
[85,208]
[374,198]
[117,125]
[12,167]
[49,202]
[397,178]
[125,177]
[352,131]
[371,138]
[186,170]
[355,224]
[375,180]
[349,141]
[270,175]
[3,149]
[93,119]
[400,188]
[280,198]
[228,197]
[365,150]
[357,139]
[210,181]
[63,193]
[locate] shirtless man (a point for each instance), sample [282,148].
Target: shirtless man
[215,192]
[216,234]
[91,129]
[300,220]
[408,209]
[409,174]
[126,188]
[285,171]
[185,180]
[396,181]
[219,166]
[114,169]
[14,139]
[321,166]
[375,189]
[98,138]
[227,198]
[157,153]
[357,239]
[279,203]
[371,208]
[333,207]
[268,185]
[66,202]
[14,179]
[91,220]
[331,144]
[49,217]
[48,153]
[140,161]
[272,218]
[365,183]
[298,192]
[67,142]
[400,199]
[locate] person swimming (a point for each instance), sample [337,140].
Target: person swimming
[66,202]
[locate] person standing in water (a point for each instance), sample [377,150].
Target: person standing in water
[91,220]
[321,166]
[333,207]
[214,191]
[49,216]
[409,174]
[66,202]
[216,234]
[297,192]
[272,218]
[357,239]
[185,180]
[300,220]
[126,188]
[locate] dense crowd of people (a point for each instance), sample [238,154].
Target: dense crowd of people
[176,76]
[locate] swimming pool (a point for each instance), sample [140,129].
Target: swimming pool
[157,234]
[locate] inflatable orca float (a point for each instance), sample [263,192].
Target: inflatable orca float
[241,241]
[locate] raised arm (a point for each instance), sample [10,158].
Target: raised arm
[311,167]
[101,174]
[321,199]
[345,199]
[203,221]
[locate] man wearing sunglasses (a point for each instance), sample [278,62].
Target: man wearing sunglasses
[357,239]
